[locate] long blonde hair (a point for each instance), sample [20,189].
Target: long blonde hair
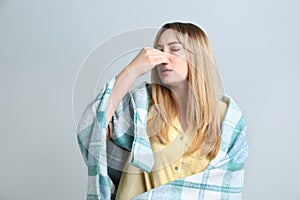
[203,112]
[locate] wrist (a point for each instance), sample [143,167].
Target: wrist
[131,71]
[128,73]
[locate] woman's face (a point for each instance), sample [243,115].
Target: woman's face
[176,70]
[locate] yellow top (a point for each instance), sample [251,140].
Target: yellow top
[170,164]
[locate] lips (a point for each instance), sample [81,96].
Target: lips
[164,70]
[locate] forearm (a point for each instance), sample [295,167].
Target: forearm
[123,82]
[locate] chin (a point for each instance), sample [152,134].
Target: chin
[172,82]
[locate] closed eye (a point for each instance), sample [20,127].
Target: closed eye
[171,50]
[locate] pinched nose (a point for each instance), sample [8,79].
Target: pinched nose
[163,65]
[168,57]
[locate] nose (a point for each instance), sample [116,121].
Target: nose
[167,54]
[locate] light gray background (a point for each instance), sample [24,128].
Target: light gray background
[43,44]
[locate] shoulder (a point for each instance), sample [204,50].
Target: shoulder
[233,111]
[139,98]
[223,105]
[234,123]
[142,89]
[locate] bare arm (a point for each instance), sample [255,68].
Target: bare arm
[147,59]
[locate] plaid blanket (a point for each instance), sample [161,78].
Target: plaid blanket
[223,178]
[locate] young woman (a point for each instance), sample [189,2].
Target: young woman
[178,137]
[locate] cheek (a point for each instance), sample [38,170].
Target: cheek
[181,66]
[185,70]
[178,60]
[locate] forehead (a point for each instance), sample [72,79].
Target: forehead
[167,36]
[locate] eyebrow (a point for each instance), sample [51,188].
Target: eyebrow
[170,43]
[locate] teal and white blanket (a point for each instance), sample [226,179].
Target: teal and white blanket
[223,178]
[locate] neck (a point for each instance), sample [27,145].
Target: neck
[180,91]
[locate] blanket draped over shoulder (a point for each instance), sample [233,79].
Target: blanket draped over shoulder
[105,159]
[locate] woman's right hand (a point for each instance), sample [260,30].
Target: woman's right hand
[146,60]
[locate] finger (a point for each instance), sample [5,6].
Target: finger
[159,52]
[160,59]
[152,51]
